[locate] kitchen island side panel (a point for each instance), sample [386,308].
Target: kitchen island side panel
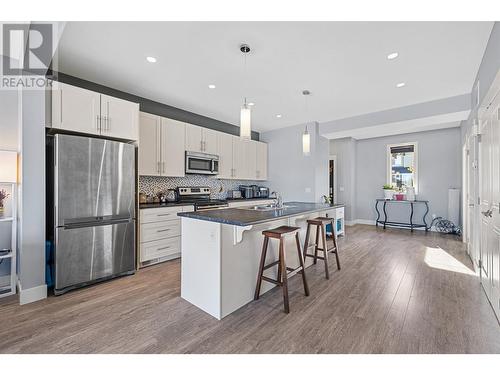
[201,265]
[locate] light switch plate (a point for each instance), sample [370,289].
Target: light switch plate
[308,189]
[341,188]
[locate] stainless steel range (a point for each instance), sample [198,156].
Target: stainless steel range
[200,198]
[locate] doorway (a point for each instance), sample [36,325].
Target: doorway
[332,178]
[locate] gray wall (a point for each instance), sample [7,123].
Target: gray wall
[486,74]
[32,186]
[297,177]
[439,168]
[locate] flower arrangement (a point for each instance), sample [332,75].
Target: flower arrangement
[3,195]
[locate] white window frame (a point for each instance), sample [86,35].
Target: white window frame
[415,162]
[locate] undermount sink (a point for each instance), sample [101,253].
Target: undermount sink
[267,207]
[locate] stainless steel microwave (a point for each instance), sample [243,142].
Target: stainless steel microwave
[200,163]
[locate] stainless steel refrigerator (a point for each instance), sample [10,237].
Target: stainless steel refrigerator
[94,210]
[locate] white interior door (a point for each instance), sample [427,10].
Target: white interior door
[494,115]
[471,200]
[485,202]
[489,150]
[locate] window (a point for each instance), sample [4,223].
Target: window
[402,165]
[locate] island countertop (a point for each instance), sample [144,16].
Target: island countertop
[245,216]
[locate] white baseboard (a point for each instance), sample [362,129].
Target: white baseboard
[32,294]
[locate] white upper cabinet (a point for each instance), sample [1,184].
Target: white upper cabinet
[119,118]
[149,145]
[239,167]
[225,152]
[194,140]
[161,146]
[209,138]
[75,109]
[241,159]
[261,161]
[173,135]
[250,160]
[89,112]
[200,139]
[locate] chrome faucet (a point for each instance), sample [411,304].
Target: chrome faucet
[278,200]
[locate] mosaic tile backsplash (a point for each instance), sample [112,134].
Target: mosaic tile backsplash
[152,185]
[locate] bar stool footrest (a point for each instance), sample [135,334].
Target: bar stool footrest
[312,256]
[269,280]
[271,264]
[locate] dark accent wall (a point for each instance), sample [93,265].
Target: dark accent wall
[153,107]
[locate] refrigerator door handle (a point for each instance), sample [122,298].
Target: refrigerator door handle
[95,223]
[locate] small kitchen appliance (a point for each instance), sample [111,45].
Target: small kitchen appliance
[246,191]
[234,194]
[255,191]
[264,192]
[200,163]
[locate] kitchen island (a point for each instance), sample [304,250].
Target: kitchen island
[221,250]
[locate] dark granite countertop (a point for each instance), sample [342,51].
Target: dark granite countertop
[244,217]
[158,205]
[174,204]
[232,200]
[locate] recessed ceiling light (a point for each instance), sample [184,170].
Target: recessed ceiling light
[392,56]
[400,84]
[278,116]
[211,86]
[251,103]
[151,59]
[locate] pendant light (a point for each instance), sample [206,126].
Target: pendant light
[306,137]
[245,114]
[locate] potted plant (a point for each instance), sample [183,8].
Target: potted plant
[388,191]
[3,196]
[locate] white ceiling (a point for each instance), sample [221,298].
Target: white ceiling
[343,64]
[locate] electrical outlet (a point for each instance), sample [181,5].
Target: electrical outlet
[341,188]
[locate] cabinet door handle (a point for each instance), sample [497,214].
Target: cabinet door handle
[163,166]
[158,167]
[164,248]
[97,127]
[163,214]
[162,230]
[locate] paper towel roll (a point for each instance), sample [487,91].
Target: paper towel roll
[454,205]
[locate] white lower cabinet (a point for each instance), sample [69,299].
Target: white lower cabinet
[160,234]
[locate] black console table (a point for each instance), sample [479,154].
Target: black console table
[411,224]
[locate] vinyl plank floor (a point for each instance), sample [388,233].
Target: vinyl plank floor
[397,292]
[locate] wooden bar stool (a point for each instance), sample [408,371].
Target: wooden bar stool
[281,233]
[321,223]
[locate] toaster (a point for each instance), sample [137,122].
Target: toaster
[234,194]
